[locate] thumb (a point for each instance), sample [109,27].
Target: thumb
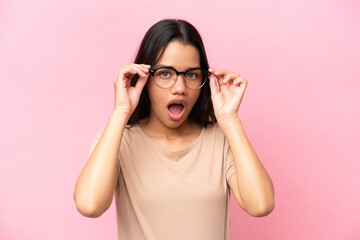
[141,83]
[213,85]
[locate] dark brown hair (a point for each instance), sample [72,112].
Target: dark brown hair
[151,48]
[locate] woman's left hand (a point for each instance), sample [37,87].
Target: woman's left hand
[227,98]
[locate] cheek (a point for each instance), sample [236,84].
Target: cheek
[150,89]
[196,97]
[155,94]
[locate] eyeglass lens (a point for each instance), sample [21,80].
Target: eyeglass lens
[166,77]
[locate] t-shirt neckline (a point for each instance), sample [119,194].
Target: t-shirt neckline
[170,152]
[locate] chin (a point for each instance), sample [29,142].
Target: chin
[176,123]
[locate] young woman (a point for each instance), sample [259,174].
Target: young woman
[174,147]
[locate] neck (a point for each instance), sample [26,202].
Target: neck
[156,129]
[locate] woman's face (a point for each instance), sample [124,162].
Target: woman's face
[172,106]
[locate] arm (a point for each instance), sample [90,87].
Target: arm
[251,184]
[96,184]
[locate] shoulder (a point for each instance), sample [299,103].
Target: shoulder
[213,128]
[128,133]
[213,131]
[132,134]
[129,129]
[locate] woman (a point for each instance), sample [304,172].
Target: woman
[174,146]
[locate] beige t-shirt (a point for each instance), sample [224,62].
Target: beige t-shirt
[173,195]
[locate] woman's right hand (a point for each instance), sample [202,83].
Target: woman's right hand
[126,96]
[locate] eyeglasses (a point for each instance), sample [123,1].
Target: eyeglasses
[165,77]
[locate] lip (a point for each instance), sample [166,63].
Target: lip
[176,116]
[182,101]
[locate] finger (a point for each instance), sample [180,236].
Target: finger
[220,76]
[221,72]
[239,81]
[231,77]
[140,83]
[139,70]
[129,71]
[125,76]
[218,73]
[125,73]
[243,84]
[213,85]
[147,66]
[144,67]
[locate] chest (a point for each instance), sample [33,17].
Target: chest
[193,177]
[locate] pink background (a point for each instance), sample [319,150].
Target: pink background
[58,60]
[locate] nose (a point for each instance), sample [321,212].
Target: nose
[179,86]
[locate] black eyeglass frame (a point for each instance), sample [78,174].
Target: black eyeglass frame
[207,74]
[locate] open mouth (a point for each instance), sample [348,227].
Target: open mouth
[176,109]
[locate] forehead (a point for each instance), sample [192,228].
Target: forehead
[180,56]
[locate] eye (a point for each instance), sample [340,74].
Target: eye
[193,75]
[164,73]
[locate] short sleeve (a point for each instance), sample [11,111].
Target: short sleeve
[229,161]
[93,145]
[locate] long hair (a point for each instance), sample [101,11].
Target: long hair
[150,51]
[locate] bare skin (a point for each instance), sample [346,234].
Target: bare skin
[173,134]
[96,184]
[251,185]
